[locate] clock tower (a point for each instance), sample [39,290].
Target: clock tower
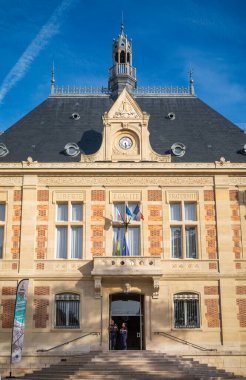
[122,74]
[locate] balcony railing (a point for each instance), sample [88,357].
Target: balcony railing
[126,266]
[122,69]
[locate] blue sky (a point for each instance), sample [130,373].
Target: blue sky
[168,38]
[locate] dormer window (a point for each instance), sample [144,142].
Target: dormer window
[75,116]
[71,149]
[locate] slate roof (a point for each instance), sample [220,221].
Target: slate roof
[43,133]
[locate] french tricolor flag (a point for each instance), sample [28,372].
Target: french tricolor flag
[137,215]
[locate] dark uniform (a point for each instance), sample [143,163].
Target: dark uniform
[123,337]
[113,330]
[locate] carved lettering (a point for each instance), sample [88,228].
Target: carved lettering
[179,196]
[119,196]
[68,196]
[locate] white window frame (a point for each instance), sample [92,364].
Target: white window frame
[183,224]
[69,224]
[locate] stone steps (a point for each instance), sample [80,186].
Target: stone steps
[128,365]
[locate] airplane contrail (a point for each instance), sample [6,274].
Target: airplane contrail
[38,43]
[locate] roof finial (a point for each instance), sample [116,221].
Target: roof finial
[53,79]
[192,88]
[122,24]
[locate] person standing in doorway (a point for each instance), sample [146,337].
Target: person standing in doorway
[123,336]
[113,331]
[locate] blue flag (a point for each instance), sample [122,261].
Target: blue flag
[128,211]
[125,250]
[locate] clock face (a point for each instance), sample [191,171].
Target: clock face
[125,143]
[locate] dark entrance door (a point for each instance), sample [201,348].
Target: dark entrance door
[128,308]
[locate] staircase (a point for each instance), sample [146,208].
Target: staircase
[128,365]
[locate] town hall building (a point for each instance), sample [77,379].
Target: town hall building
[124,203]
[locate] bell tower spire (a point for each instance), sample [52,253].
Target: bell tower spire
[122,25]
[122,74]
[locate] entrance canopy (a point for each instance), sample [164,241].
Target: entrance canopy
[129,267]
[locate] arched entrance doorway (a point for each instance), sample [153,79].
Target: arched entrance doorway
[129,308]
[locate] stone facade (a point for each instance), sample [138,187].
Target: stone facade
[213,281]
[215,275]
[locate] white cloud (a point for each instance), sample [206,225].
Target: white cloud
[219,85]
[19,70]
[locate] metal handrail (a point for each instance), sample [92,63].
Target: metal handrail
[70,341]
[183,341]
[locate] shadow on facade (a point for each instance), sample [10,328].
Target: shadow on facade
[90,142]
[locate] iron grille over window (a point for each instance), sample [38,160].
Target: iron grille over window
[186,311]
[67,310]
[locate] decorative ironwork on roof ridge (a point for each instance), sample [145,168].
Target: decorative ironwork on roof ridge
[139,91]
[165,91]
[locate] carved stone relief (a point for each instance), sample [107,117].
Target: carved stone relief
[156,286]
[98,286]
[11,181]
[237,181]
[125,107]
[126,111]
[116,180]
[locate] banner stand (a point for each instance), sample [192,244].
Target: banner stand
[18,325]
[10,372]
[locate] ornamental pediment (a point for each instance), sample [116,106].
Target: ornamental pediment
[126,134]
[125,107]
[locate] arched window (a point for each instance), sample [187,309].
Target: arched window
[122,57]
[186,310]
[67,310]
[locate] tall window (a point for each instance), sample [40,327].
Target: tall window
[184,225]
[67,310]
[2,225]
[69,230]
[126,229]
[186,310]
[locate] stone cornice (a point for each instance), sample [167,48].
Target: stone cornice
[108,166]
